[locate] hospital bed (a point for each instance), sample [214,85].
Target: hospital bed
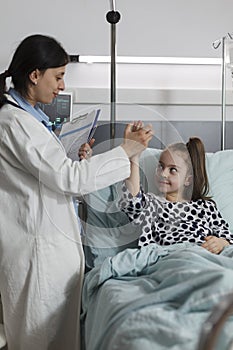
[155,297]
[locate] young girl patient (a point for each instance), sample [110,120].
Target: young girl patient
[182,212]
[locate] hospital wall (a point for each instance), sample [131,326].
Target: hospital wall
[178,99]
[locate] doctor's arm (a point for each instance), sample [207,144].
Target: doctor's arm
[28,145]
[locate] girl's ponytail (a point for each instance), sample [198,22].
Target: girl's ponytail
[200,179]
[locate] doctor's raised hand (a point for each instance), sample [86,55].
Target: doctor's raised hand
[136,138]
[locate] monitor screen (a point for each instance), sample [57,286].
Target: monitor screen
[60,110]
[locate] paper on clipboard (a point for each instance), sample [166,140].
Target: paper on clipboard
[78,131]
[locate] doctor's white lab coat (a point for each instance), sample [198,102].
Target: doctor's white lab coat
[41,255]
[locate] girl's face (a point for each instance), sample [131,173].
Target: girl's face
[46,85]
[172,175]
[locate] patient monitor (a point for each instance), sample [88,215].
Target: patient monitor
[60,110]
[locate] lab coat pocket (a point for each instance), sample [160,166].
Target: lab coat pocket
[58,267]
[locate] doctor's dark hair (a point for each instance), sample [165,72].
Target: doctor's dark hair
[194,154]
[34,52]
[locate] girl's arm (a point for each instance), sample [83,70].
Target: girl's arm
[133,182]
[222,236]
[134,206]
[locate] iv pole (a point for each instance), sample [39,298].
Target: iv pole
[113,18]
[216,44]
[223,139]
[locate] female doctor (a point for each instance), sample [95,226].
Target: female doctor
[41,255]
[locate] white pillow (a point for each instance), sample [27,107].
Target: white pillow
[220,173]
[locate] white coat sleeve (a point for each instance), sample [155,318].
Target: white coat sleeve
[28,145]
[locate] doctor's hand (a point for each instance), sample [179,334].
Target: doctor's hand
[136,138]
[215,244]
[85,151]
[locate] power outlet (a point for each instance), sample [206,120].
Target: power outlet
[74,58]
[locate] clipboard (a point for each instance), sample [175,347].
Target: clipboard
[78,131]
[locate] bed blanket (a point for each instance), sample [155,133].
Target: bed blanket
[155,298]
